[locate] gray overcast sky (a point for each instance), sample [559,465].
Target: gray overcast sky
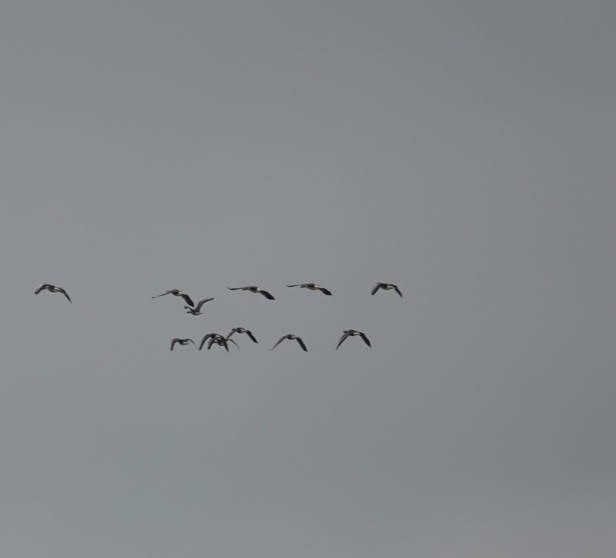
[463,149]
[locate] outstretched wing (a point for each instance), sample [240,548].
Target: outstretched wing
[43,287]
[325,291]
[249,333]
[397,290]
[301,343]
[173,342]
[278,342]
[266,294]
[344,336]
[236,288]
[191,341]
[162,294]
[366,340]
[376,288]
[61,290]
[296,285]
[230,341]
[205,338]
[187,299]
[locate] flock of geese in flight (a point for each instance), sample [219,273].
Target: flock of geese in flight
[213,338]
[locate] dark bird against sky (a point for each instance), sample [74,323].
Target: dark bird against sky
[52,289]
[312,287]
[253,289]
[242,330]
[386,287]
[180,341]
[353,333]
[218,339]
[290,336]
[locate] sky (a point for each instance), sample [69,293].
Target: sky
[463,150]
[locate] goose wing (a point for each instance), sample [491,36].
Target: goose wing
[395,287]
[365,338]
[295,285]
[43,287]
[325,291]
[266,294]
[61,290]
[344,336]
[376,288]
[205,338]
[252,337]
[278,342]
[301,343]
[187,299]
[173,342]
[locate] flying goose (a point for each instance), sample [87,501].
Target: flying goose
[353,333]
[253,289]
[218,339]
[180,341]
[386,287]
[221,342]
[52,289]
[242,330]
[312,287]
[291,337]
[177,292]
[196,311]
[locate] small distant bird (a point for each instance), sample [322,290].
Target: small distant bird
[242,330]
[312,287]
[386,287]
[291,337]
[218,339]
[253,289]
[52,289]
[177,292]
[196,311]
[353,333]
[180,341]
